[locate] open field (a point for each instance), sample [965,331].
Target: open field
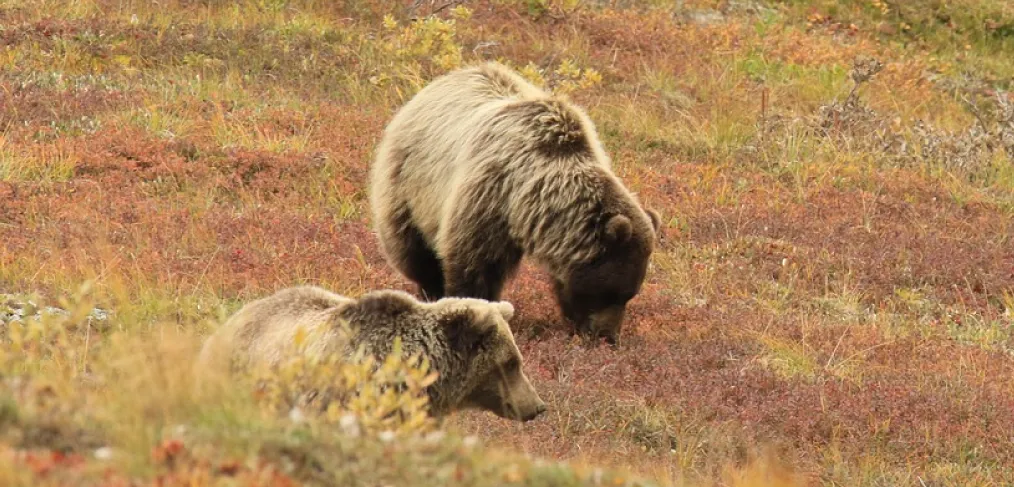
[834,292]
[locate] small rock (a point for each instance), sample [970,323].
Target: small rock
[705,17]
[51,311]
[98,314]
[14,309]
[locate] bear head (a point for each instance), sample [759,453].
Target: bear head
[477,332]
[593,294]
[468,342]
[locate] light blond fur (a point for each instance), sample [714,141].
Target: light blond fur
[526,138]
[264,331]
[482,168]
[468,341]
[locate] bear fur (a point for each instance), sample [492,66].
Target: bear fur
[481,168]
[467,341]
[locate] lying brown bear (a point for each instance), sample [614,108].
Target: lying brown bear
[468,342]
[481,168]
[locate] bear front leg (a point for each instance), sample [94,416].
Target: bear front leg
[477,249]
[478,276]
[478,263]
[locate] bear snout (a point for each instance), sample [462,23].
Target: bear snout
[531,412]
[606,324]
[539,409]
[526,404]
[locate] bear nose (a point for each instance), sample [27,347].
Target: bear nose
[611,338]
[541,408]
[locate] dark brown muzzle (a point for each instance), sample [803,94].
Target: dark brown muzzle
[605,323]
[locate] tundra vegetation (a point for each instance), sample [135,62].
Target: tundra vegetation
[832,302]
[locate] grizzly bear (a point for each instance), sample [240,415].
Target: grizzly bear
[481,168]
[467,342]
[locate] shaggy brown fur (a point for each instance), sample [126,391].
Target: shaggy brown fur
[481,168]
[467,341]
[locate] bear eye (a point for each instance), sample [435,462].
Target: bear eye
[511,364]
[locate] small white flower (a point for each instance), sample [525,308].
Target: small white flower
[349,425]
[348,420]
[296,415]
[470,441]
[386,436]
[104,453]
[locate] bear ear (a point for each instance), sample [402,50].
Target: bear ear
[381,304]
[467,329]
[618,228]
[505,309]
[656,219]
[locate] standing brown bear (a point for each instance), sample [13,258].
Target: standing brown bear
[481,168]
